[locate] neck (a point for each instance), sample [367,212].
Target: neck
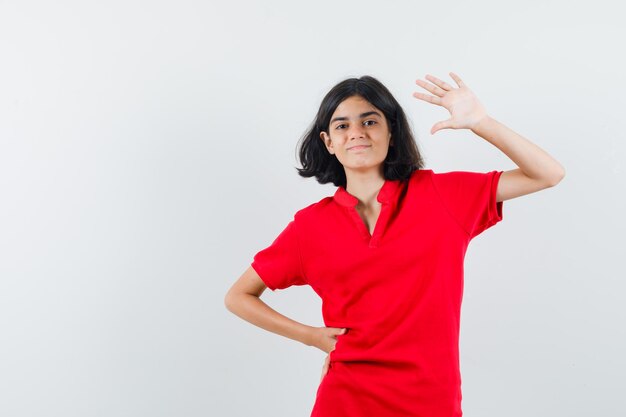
[365,185]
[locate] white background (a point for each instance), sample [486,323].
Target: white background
[147,152]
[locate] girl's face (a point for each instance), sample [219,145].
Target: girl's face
[358,134]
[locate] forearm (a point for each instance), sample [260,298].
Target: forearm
[257,312]
[530,158]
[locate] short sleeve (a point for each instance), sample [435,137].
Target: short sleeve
[470,197]
[279,264]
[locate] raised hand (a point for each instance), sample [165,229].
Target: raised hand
[465,109]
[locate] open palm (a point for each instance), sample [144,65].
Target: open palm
[465,109]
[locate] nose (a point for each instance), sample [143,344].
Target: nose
[355,131]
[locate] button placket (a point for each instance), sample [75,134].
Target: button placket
[386,196]
[365,234]
[379,227]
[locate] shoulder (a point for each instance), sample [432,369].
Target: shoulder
[456,178]
[463,186]
[420,176]
[456,184]
[461,178]
[313,211]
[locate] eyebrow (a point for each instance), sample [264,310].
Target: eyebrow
[362,115]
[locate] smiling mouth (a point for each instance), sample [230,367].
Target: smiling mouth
[356,148]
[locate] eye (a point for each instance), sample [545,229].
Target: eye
[367,121]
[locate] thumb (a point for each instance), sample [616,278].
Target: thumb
[343,331]
[444,124]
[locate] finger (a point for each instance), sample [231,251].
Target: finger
[323,373]
[442,84]
[457,79]
[445,124]
[325,368]
[432,88]
[426,97]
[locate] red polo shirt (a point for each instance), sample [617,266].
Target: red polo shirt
[398,291]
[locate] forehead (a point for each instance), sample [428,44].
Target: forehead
[353,106]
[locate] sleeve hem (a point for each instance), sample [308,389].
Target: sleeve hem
[497,214]
[260,274]
[495,207]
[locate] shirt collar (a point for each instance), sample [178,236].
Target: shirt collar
[387,194]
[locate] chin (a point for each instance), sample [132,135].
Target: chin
[363,165]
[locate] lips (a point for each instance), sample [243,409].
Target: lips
[358,147]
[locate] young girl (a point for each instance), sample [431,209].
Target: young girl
[385,252]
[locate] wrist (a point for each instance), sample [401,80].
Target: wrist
[480,125]
[306,335]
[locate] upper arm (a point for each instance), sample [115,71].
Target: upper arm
[248,283]
[515,183]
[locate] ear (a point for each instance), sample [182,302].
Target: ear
[327,142]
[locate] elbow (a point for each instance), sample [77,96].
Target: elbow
[234,298]
[557,178]
[228,301]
